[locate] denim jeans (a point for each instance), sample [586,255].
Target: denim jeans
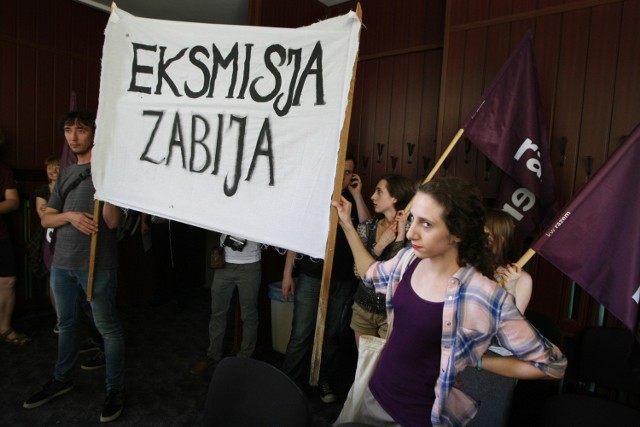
[70,287]
[305,310]
[247,278]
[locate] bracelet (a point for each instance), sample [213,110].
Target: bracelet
[479,365]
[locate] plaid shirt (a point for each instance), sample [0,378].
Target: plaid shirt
[476,310]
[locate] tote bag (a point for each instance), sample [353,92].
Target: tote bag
[369,350]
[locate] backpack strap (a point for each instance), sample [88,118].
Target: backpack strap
[83,175]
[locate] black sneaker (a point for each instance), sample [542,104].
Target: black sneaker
[113,406]
[326,394]
[88,345]
[96,362]
[50,390]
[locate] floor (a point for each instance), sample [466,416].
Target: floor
[162,342]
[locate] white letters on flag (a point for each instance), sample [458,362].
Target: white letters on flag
[229,128]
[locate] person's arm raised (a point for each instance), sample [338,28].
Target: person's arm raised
[355,188]
[361,255]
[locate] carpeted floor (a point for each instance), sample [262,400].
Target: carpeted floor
[162,342]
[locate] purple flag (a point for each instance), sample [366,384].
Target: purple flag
[507,126]
[68,157]
[596,239]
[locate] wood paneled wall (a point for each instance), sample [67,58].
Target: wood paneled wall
[421,69]
[422,65]
[395,104]
[588,59]
[47,51]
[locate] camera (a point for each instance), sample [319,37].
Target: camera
[234,243]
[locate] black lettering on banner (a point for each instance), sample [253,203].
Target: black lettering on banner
[206,65]
[195,141]
[276,48]
[177,141]
[143,69]
[145,156]
[245,74]
[162,71]
[242,123]
[295,54]
[205,72]
[316,56]
[216,161]
[265,135]
[219,60]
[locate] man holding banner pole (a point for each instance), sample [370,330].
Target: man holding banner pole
[306,288]
[71,212]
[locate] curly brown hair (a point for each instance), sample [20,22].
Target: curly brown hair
[463,213]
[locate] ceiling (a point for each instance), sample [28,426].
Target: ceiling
[233,12]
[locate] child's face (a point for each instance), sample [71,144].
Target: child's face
[52,171]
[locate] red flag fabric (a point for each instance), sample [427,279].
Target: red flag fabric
[507,126]
[595,240]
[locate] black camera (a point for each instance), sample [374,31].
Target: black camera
[234,243]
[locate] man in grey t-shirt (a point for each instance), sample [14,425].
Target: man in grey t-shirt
[70,212]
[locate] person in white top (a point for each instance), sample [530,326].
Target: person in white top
[243,270]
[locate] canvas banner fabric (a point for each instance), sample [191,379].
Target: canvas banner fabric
[229,128]
[507,125]
[595,240]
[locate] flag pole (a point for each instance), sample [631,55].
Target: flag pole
[92,253]
[526,257]
[325,284]
[439,163]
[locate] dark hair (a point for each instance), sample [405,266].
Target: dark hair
[51,160]
[399,187]
[501,227]
[87,118]
[463,213]
[350,156]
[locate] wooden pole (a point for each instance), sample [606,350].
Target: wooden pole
[92,253]
[526,257]
[325,285]
[439,163]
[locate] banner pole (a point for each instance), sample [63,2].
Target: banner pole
[323,300]
[439,163]
[526,257]
[92,253]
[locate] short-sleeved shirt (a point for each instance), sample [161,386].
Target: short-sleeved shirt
[73,248]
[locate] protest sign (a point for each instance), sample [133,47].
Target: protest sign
[229,128]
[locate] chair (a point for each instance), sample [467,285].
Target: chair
[587,411]
[246,392]
[530,395]
[604,360]
[494,392]
[603,372]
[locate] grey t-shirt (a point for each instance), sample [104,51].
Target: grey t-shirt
[72,249]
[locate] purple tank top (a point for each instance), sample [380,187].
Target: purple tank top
[404,380]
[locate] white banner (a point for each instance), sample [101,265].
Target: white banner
[229,128]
